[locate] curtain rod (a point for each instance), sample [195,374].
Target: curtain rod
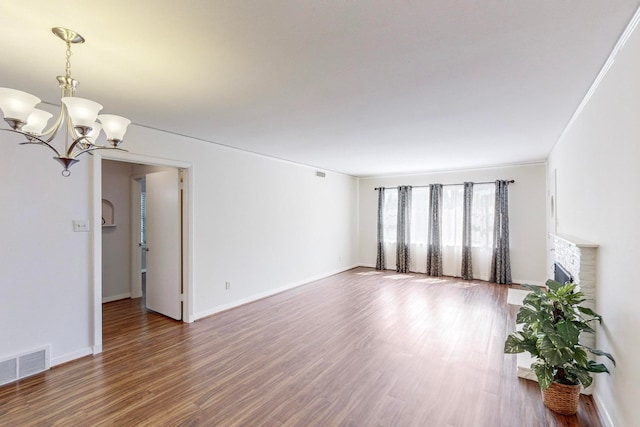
[511,181]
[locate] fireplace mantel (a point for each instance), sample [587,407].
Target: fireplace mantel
[574,240]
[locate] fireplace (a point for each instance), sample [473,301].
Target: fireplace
[561,274]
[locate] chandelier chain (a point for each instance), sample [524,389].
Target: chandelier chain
[68,56]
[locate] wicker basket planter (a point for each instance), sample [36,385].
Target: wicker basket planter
[562,398]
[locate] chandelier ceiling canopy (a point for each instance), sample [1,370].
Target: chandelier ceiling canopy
[78,116]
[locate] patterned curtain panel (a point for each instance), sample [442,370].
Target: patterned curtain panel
[500,262]
[466,271]
[434,246]
[380,260]
[403,239]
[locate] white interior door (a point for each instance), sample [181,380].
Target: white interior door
[163,289]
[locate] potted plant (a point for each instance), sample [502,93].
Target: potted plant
[552,321]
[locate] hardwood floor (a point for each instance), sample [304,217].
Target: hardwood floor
[361,348]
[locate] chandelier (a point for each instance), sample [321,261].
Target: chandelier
[78,115]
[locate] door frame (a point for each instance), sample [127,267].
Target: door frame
[135,281]
[96,235]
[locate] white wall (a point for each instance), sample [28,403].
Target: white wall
[597,200]
[262,224]
[259,223]
[116,241]
[526,213]
[44,277]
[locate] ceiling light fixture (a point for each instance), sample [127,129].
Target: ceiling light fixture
[79,115]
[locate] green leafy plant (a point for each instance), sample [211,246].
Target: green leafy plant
[552,321]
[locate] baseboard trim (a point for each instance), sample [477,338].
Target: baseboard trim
[261,295]
[601,409]
[116,297]
[71,356]
[517,281]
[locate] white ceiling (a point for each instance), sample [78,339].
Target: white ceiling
[363,87]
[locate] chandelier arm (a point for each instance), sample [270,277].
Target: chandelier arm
[76,142]
[30,140]
[51,133]
[66,89]
[73,133]
[97,147]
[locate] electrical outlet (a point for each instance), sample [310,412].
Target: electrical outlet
[227,285]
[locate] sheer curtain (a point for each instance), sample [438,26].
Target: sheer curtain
[451,230]
[482,215]
[380,262]
[419,229]
[390,225]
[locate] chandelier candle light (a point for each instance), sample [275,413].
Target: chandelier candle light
[79,115]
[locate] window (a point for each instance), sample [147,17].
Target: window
[482,214]
[390,218]
[452,207]
[420,215]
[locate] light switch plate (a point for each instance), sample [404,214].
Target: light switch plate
[80,225]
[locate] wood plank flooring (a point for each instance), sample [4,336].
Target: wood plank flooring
[361,348]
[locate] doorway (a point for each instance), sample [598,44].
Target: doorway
[182,242]
[129,269]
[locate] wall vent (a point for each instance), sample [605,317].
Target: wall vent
[8,371]
[320,174]
[24,365]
